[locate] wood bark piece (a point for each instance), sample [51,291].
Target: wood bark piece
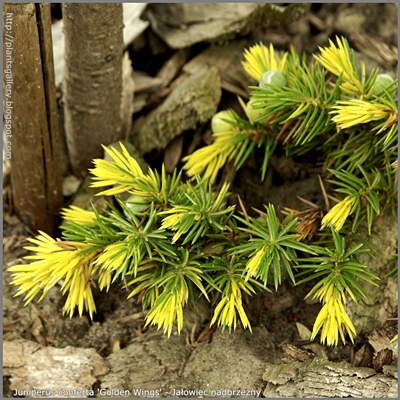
[146,83]
[92,80]
[172,154]
[382,339]
[184,24]
[171,68]
[192,102]
[321,378]
[227,58]
[369,29]
[31,367]
[128,89]
[35,168]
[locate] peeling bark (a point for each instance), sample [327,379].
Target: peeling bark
[321,378]
[32,367]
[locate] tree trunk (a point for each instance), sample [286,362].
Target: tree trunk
[92,83]
[31,140]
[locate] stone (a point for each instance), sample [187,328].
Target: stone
[184,24]
[372,313]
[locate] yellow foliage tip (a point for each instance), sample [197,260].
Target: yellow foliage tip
[338,214]
[333,321]
[338,60]
[122,171]
[259,59]
[354,112]
[168,308]
[225,312]
[78,215]
[208,160]
[124,160]
[253,264]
